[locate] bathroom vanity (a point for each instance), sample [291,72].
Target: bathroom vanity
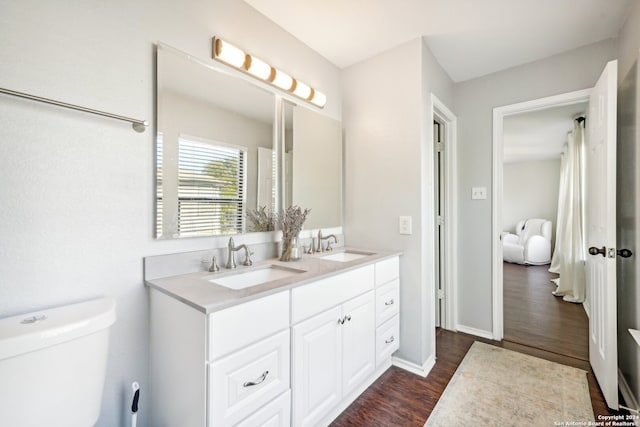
[293,349]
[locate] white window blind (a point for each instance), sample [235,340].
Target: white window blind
[211,191]
[159,201]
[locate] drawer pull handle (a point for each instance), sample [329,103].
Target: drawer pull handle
[390,340]
[348,318]
[390,302]
[258,381]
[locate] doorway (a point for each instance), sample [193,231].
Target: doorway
[499,116]
[444,214]
[535,150]
[439,185]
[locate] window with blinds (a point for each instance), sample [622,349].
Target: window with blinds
[159,200]
[211,191]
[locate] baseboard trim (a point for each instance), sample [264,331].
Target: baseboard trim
[473,331]
[422,370]
[626,392]
[586,307]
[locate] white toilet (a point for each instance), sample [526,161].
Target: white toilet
[53,364]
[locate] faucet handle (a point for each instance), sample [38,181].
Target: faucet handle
[247,256]
[214,265]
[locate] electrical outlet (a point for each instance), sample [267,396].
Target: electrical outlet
[479,193]
[405,224]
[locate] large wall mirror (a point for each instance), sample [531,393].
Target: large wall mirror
[216,161]
[215,158]
[313,165]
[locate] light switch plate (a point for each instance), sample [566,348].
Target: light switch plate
[479,193]
[405,224]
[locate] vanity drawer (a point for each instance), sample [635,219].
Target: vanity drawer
[238,326]
[319,296]
[242,382]
[387,339]
[276,413]
[387,270]
[387,301]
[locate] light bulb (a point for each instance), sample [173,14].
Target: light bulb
[282,80]
[229,54]
[258,68]
[319,99]
[302,90]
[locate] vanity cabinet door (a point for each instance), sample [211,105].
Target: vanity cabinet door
[358,341]
[317,367]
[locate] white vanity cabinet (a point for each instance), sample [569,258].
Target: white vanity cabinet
[228,368]
[297,357]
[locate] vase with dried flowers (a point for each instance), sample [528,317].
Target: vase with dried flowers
[290,222]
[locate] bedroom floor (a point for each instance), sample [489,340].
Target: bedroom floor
[536,318]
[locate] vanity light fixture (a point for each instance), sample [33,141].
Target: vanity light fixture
[224,51]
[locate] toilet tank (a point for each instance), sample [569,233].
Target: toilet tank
[53,364]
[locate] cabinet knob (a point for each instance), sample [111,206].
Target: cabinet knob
[346,318]
[390,340]
[390,302]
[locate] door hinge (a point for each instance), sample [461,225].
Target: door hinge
[439,147]
[440,220]
[440,293]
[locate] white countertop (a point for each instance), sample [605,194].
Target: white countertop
[197,290]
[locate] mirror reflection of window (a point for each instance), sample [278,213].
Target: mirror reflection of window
[199,106]
[211,190]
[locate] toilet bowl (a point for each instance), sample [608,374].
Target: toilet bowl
[53,364]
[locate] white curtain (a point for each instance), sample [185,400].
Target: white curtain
[569,255]
[562,209]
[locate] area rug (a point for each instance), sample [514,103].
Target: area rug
[498,387]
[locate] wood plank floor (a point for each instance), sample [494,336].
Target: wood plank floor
[399,398]
[536,318]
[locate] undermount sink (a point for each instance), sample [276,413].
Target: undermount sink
[255,277]
[346,256]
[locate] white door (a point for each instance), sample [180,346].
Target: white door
[601,232]
[317,367]
[358,341]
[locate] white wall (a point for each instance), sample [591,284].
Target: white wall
[628,41]
[77,190]
[628,197]
[530,190]
[474,101]
[384,121]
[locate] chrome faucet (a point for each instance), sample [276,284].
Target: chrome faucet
[231,259]
[321,238]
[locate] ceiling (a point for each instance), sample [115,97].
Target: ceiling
[538,135]
[469,38]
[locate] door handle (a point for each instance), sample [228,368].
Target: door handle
[595,251]
[624,253]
